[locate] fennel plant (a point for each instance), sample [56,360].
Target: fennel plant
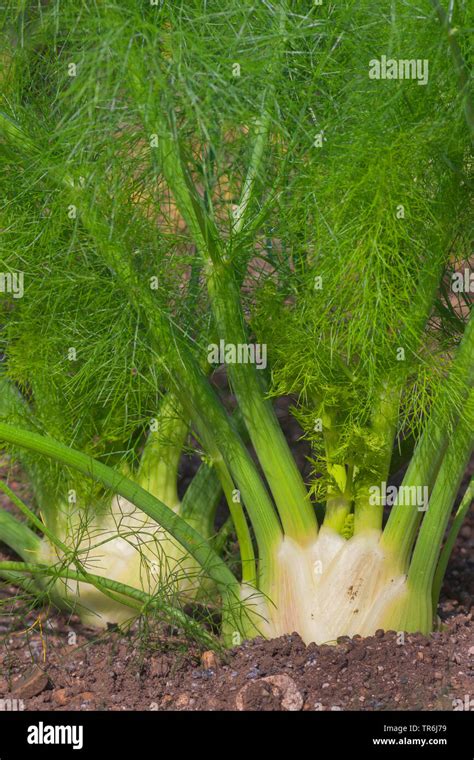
[185,177]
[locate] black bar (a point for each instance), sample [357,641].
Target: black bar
[124,734]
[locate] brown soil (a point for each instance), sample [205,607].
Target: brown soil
[384,672]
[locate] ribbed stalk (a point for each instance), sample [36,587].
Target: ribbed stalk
[158,471]
[201,499]
[18,536]
[339,498]
[209,415]
[247,555]
[338,508]
[462,69]
[17,411]
[415,610]
[368,516]
[400,531]
[204,490]
[450,541]
[430,538]
[278,464]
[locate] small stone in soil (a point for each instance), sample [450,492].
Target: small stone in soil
[253,673]
[277,692]
[31,684]
[60,696]
[159,667]
[209,660]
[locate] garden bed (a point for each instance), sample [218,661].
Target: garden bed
[67,666]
